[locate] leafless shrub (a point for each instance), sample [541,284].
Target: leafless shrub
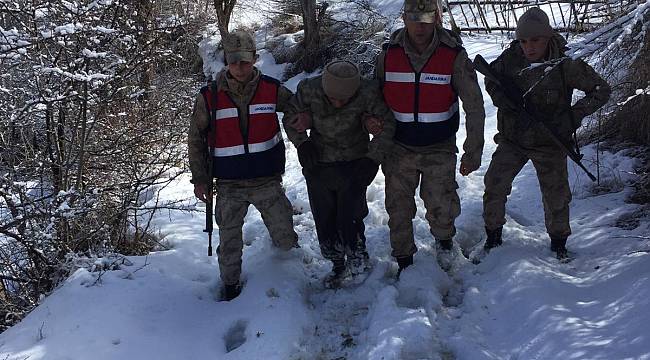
[356,37]
[93,109]
[620,51]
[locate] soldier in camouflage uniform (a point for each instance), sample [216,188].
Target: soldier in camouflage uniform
[536,63]
[338,158]
[424,70]
[234,136]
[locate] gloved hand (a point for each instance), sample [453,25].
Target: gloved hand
[308,155]
[571,116]
[500,100]
[366,170]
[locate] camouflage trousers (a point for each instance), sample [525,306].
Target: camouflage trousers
[436,174]
[551,167]
[338,204]
[231,206]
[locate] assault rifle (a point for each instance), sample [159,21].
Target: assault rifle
[209,205]
[208,217]
[516,102]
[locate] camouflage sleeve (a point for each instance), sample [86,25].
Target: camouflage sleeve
[284,97]
[297,103]
[583,77]
[381,144]
[197,143]
[498,97]
[465,83]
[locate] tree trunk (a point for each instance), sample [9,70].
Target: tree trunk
[312,21]
[224,11]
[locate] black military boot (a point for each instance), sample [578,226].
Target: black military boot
[230,292]
[493,238]
[334,278]
[403,262]
[558,245]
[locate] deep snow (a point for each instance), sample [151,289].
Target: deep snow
[519,303]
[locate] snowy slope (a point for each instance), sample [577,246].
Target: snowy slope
[519,303]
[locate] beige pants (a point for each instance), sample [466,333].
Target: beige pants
[231,205]
[550,165]
[436,174]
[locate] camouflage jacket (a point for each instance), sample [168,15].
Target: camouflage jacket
[549,87]
[197,140]
[339,134]
[464,82]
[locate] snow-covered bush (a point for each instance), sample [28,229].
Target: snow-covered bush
[351,30]
[94,97]
[620,50]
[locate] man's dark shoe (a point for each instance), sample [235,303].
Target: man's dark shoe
[230,292]
[334,278]
[493,238]
[358,263]
[403,262]
[447,254]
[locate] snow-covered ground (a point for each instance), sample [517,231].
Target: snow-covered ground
[519,303]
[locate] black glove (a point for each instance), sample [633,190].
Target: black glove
[500,100]
[366,170]
[308,155]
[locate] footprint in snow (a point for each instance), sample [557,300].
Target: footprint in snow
[236,335]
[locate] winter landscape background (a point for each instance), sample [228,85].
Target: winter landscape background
[518,303]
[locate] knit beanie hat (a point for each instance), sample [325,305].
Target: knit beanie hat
[533,22]
[341,79]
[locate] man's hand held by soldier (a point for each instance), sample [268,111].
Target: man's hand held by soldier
[373,124]
[301,122]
